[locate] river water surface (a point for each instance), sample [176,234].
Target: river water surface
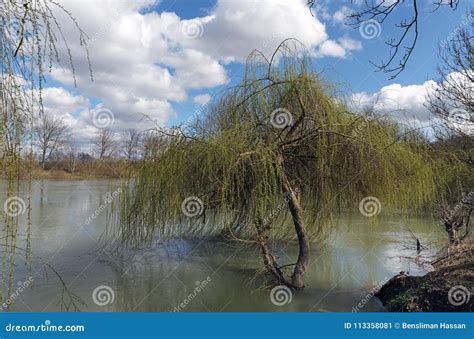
[68,222]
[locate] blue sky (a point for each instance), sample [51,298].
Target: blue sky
[434,25]
[164,59]
[356,73]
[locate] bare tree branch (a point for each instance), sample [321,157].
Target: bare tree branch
[105,143]
[401,47]
[51,134]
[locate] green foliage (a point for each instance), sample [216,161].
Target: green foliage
[401,301]
[283,122]
[29,36]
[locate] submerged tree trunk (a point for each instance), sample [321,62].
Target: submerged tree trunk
[271,264]
[303,242]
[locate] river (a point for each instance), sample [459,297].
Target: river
[68,223]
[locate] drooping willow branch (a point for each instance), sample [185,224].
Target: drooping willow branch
[29,47]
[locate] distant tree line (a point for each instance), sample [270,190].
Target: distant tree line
[54,141]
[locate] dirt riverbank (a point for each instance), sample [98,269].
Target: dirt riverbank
[448,288]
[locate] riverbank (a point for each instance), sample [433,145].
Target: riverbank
[448,288]
[57,174]
[94,169]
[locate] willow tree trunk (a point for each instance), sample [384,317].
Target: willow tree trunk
[268,258]
[297,278]
[458,218]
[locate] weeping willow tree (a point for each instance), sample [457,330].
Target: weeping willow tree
[272,158]
[31,42]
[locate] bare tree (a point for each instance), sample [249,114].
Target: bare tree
[458,218]
[130,142]
[51,134]
[401,47]
[154,143]
[71,158]
[150,141]
[105,143]
[452,97]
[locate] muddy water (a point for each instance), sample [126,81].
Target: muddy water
[68,221]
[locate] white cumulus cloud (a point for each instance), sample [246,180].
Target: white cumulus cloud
[403,103]
[202,99]
[143,60]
